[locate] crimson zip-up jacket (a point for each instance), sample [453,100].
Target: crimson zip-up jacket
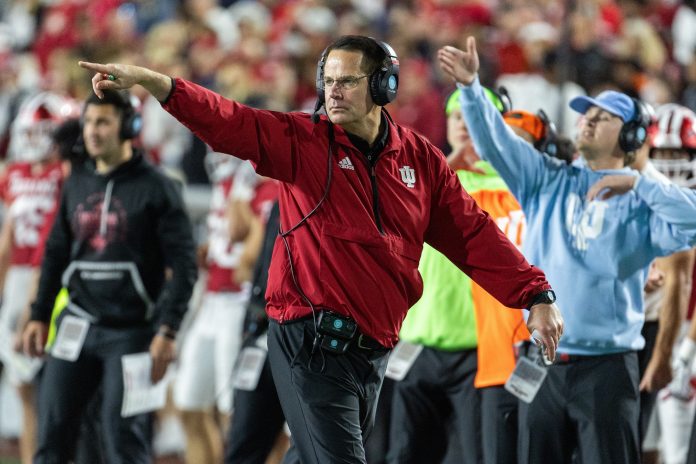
[358,255]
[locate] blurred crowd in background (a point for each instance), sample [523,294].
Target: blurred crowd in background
[264,53]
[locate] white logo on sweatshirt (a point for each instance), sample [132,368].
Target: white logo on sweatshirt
[586,222]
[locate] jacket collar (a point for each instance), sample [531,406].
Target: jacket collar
[341,137]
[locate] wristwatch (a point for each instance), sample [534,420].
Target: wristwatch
[546,297]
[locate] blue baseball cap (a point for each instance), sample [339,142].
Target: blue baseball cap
[617,103]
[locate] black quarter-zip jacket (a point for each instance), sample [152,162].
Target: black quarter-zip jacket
[113,238]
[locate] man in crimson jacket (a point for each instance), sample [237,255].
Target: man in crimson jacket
[359,196]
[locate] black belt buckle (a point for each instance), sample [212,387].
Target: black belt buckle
[367,343]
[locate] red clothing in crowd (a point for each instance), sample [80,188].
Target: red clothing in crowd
[31,195]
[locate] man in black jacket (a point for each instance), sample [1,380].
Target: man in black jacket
[120,226]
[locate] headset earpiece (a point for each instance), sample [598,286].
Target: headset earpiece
[500,99]
[504,98]
[131,123]
[548,143]
[384,82]
[634,133]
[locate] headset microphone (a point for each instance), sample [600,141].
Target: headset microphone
[315,113]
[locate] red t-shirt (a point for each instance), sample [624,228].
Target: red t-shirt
[31,196]
[223,256]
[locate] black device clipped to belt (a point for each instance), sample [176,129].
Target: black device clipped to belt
[334,332]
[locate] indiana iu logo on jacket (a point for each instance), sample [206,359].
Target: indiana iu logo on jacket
[408,176]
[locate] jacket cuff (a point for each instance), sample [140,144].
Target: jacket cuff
[38,314]
[171,92]
[170,320]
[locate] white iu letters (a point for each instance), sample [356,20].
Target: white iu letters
[408,176]
[584,223]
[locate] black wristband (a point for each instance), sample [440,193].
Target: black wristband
[546,297]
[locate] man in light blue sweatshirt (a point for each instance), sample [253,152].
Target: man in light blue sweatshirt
[594,229]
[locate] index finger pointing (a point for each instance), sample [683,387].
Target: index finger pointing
[100,68]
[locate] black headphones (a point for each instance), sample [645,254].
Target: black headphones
[131,120]
[634,133]
[500,99]
[549,142]
[383,82]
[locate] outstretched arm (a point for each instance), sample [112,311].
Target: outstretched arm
[521,166]
[122,76]
[266,138]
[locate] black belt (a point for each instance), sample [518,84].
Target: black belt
[565,358]
[359,341]
[365,342]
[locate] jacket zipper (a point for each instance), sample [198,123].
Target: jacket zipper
[375,193]
[105,208]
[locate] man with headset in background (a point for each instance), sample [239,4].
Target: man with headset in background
[597,250]
[359,196]
[121,224]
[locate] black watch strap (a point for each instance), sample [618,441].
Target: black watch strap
[546,297]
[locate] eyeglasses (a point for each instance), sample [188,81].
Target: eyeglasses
[348,82]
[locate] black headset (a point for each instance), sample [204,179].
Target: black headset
[503,102]
[131,120]
[549,142]
[634,133]
[384,81]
